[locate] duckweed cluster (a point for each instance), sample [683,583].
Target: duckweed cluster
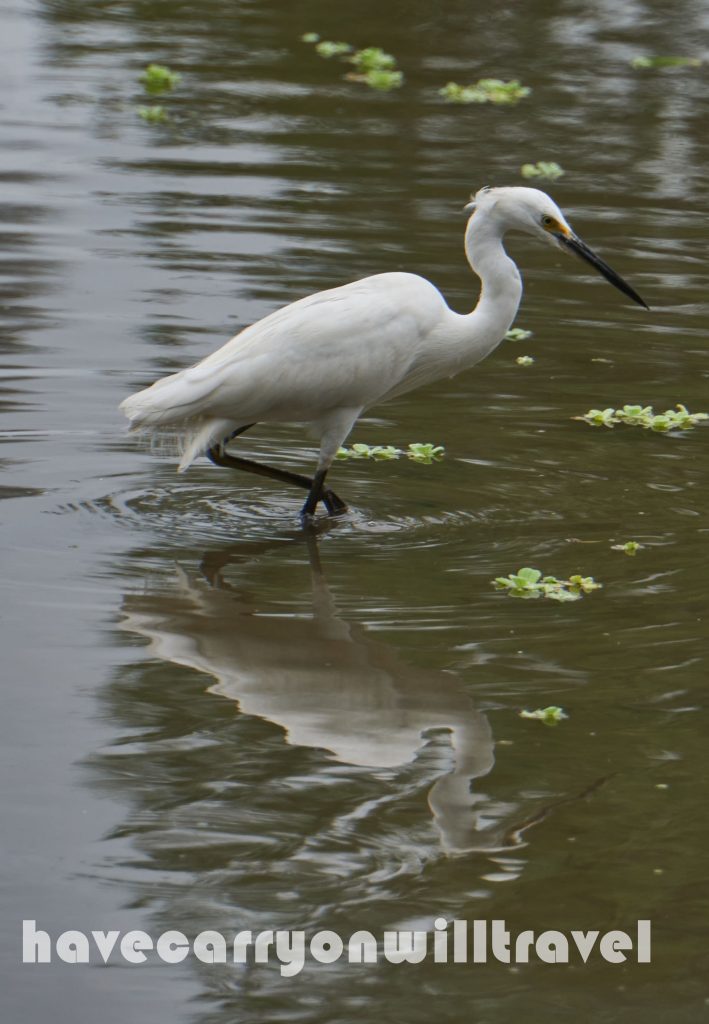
[485,90]
[644,416]
[665,62]
[530,583]
[423,453]
[551,715]
[631,547]
[373,66]
[378,69]
[157,79]
[543,170]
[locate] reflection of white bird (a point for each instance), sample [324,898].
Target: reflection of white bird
[325,359]
[330,685]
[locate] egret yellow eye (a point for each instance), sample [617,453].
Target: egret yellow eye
[549,222]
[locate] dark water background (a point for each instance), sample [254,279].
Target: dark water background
[210,722]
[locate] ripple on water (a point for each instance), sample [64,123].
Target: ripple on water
[200,513]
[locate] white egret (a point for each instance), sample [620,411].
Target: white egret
[325,359]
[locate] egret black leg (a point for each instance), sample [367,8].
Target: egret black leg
[335,506]
[331,501]
[315,495]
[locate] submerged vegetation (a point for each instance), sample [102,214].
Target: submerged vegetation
[643,416]
[486,90]
[327,49]
[549,716]
[424,453]
[373,66]
[545,170]
[666,62]
[530,583]
[155,114]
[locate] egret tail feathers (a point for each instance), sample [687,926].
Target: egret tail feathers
[199,437]
[175,406]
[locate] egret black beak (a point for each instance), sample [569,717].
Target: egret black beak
[574,244]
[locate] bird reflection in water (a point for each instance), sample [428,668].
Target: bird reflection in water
[327,683]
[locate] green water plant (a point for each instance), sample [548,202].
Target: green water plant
[373,66]
[524,360]
[530,583]
[549,716]
[157,78]
[486,90]
[154,115]
[373,58]
[517,334]
[631,547]
[329,49]
[425,453]
[644,416]
[665,62]
[545,170]
[376,69]
[379,79]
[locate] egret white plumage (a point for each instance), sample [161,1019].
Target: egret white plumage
[325,359]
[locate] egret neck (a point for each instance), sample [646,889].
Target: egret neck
[501,290]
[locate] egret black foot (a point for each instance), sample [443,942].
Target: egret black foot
[334,505]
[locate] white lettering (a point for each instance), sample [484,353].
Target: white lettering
[405,946]
[172,947]
[36,945]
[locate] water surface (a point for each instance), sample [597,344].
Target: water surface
[212,720]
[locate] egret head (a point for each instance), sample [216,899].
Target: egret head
[534,212]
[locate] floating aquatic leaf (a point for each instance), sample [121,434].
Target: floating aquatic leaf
[585,584]
[517,334]
[631,547]
[329,49]
[666,62]
[374,67]
[524,360]
[529,583]
[381,80]
[158,78]
[486,90]
[549,716]
[372,58]
[384,80]
[544,169]
[424,453]
[643,416]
